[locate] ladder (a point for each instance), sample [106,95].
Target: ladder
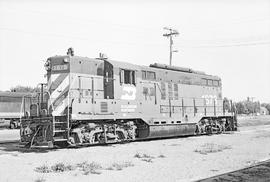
[60,129]
[61,126]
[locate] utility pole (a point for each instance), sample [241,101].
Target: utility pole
[170,34]
[250,99]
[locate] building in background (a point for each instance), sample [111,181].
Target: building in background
[263,111]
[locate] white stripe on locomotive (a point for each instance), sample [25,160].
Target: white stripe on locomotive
[52,79]
[60,108]
[55,94]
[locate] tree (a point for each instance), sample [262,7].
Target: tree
[20,88]
[241,108]
[249,107]
[227,105]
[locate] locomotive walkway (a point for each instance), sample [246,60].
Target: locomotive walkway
[259,173]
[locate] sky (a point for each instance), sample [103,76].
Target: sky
[227,38]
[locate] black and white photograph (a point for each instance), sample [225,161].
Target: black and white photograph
[134,90]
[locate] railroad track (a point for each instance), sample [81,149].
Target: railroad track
[104,144]
[259,172]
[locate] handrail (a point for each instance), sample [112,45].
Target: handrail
[23,105]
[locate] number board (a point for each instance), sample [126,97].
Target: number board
[59,67]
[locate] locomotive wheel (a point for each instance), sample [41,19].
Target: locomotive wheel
[120,136]
[12,126]
[71,140]
[208,130]
[198,130]
[219,128]
[94,139]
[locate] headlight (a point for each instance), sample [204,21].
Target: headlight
[47,65]
[66,60]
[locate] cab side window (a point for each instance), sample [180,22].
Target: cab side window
[144,75]
[127,77]
[163,91]
[210,82]
[215,82]
[175,91]
[148,75]
[170,91]
[151,75]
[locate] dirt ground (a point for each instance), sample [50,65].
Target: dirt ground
[177,159]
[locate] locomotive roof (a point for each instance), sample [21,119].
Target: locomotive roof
[161,67]
[155,66]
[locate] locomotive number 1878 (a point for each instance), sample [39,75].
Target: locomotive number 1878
[59,67]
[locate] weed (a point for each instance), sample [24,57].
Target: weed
[61,167]
[211,148]
[85,167]
[161,156]
[120,166]
[137,155]
[148,156]
[69,167]
[43,169]
[144,157]
[147,160]
[140,156]
[92,168]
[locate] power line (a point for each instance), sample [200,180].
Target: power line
[234,44]
[81,38]
[171,33]
[229,45]
[130,28]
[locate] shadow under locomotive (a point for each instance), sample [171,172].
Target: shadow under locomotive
[99,101]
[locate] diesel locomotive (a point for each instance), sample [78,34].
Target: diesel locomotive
[90,101]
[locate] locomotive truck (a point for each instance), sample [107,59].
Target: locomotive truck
[98,100]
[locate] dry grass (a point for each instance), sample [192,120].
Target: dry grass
[211,148]
[87,168]
[147,160]
[143,156]
[58,167]
[120,165]
[61,167]
[43,169]
[161,156]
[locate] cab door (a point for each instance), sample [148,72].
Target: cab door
[108,81]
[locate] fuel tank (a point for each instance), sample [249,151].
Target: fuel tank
[156,131]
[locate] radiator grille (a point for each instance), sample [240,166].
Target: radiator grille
[103,107]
